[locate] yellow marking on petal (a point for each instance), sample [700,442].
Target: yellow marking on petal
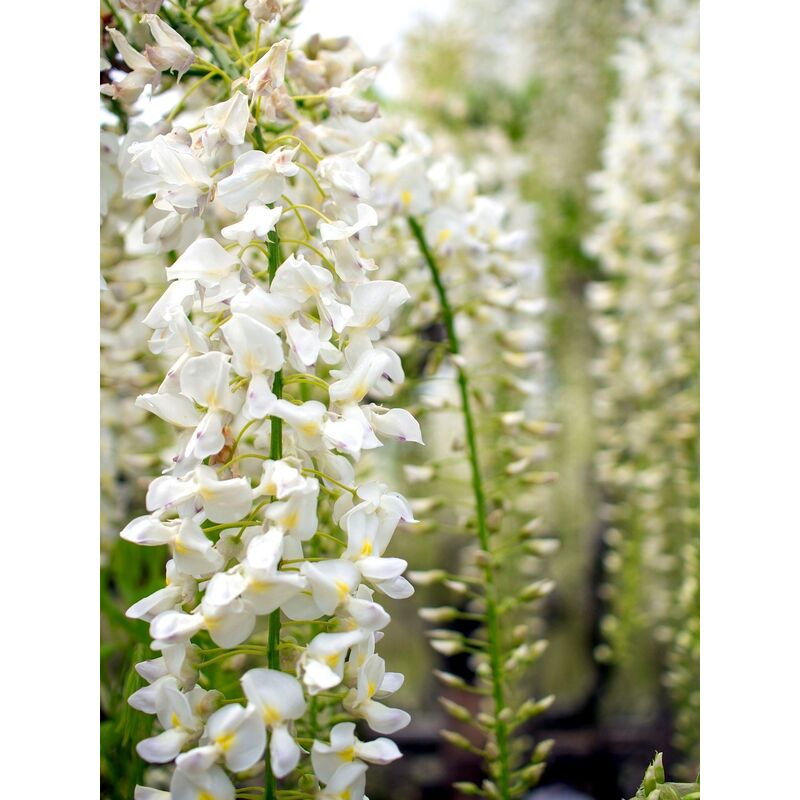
[332,660]
[271,715]
[180,547]
[348,754]
[225,741]
[291,520]
[444,235]
[251,363]
[206,796]
[405,198]
[371,687]
[174,721]
[309,428]
[366,549]
[343,588]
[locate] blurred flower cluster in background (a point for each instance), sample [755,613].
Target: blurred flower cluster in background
[541,160]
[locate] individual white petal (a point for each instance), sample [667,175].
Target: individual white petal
[224,588]
[331,582]
[396,423]
[223,501]
[378,751]
[193,553]
[257,177]
[368,615]
[178,294]
[348,781]
[283,750]
[378,569]
[391,682]
[205,261]
[280,479]
[344,434]
[146,793]
[257,222]
[267,74]
[206,378]
[238,734]
[256,348]
[397,588]
[172,50]
[302,606]
[260,398]
[277,696]
[175,626]
[211,785]
[383,719]
[303,341]
[173,408]
[207,439]
[231,624]
[159,601]
[267,594]
[163,748]
[199,760]
[167,492]
[149,530]
[248,748]
[228,120]
[134,59]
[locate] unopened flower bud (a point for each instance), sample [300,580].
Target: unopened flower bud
[537,589]
[426,577]
[448,679]
[456,739]
[441,614]
[455,710]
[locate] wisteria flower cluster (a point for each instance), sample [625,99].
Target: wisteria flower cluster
[646,319]
[476,335]
[272,326]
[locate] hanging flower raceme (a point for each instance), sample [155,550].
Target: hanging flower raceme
[277,380]
[646,320]
[476,333]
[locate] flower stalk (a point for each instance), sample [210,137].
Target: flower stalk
[492,627]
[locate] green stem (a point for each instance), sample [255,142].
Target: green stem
[492,622]
[275,453]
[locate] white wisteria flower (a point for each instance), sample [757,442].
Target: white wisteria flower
[278,700]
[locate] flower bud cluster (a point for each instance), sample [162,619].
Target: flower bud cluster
[646,321]
[272,326]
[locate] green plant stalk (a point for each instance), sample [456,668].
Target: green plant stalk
[492,626]
[275,453]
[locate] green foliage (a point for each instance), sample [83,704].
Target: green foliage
[655,786]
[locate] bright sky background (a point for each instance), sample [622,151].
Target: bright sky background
[377,26]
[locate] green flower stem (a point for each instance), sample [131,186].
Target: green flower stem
[275,453]
[492,622]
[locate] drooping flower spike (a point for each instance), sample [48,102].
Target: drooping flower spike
[270,332]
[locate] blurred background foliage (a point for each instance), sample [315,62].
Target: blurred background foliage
[587,110]
[597,104]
